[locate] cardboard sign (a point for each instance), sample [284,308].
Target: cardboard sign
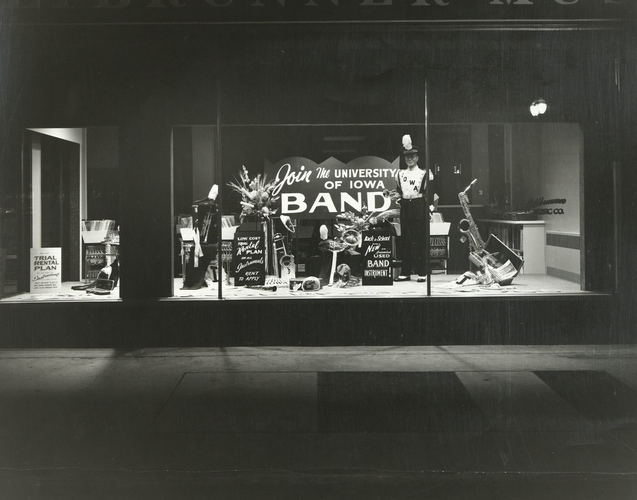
[46,270]
[248,251]
[376,249]
[438,247]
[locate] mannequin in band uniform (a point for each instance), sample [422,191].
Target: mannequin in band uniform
[204,218]
[411,184]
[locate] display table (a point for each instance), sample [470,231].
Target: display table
[527,238]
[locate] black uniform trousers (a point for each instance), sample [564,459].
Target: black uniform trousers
[195,276]
[414,235]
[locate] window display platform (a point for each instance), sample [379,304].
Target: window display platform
[66,293]
[441,285]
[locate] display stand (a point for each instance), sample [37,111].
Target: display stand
[94,261]
[525,238]
[99,249]
[439,247]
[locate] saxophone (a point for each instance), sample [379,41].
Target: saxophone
[490,268]
[468,226]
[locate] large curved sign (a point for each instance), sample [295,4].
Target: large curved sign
[320,191]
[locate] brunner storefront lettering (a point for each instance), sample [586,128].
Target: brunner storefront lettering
[140,11]
[538,206]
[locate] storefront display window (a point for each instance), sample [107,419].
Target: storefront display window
[308,211]
[70,226]
[285,174]
[139,144]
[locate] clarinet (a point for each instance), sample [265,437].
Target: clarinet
[267,288]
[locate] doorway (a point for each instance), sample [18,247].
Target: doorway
[52,180]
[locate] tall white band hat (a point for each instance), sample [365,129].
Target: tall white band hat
[408,146]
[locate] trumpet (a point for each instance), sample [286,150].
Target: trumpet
[394,195]
[352,237]
[205,227]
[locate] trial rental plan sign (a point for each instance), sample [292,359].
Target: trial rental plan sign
[46,270]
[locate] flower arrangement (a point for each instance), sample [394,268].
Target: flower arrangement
[256,195]
[352,225]
[357,222]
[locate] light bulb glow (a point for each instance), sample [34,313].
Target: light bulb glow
[541,106]
[538,107]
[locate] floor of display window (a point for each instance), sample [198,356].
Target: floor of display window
[441,285]
[66,293]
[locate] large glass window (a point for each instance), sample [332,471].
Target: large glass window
[294,158]
[521,216]
[71,211]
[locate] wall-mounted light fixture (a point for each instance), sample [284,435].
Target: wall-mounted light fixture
[538,107]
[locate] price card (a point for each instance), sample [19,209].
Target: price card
[249,258]
[376,249]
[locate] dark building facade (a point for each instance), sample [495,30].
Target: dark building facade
[267,80]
